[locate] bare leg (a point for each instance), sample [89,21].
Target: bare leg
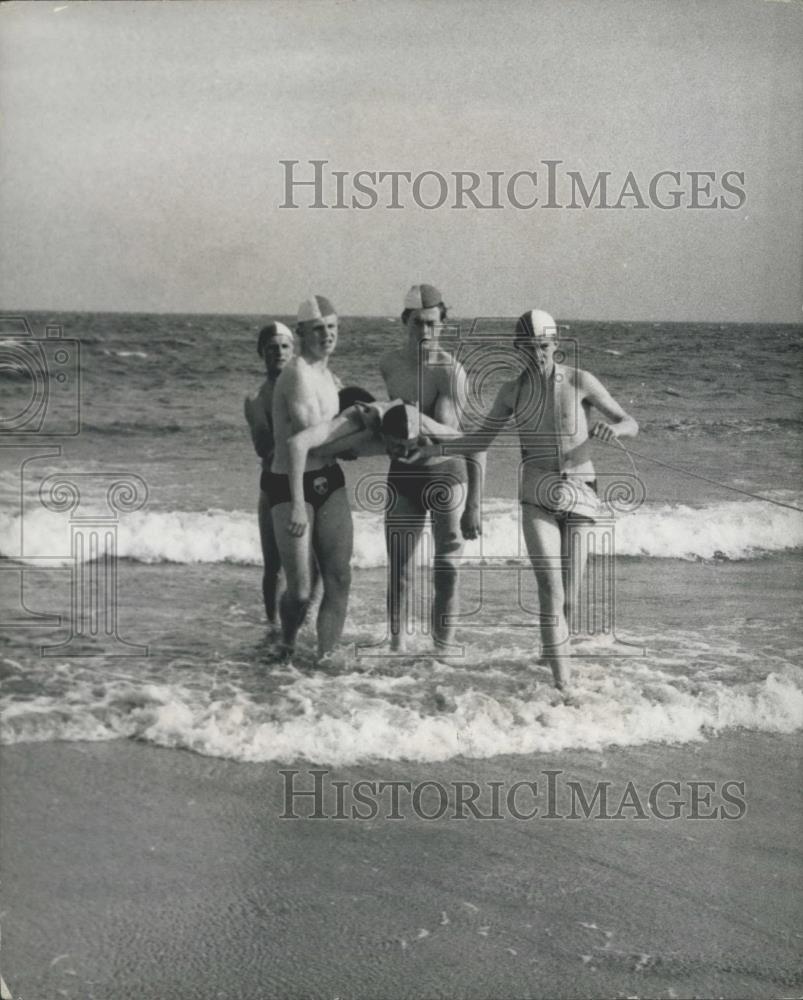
[271,559]
[315,577]
[575,538]
[403,527]
[446,603]
[332,540]
[543,538]
[295,556]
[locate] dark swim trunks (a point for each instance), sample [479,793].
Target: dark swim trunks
[319,485]
[438,487]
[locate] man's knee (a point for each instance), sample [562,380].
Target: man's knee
[300,592]
[337,578]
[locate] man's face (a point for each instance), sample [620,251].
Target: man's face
[540,350]
[399,447]
[277,352]
[424,324]
[319,336]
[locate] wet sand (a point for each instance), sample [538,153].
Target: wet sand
[134,871]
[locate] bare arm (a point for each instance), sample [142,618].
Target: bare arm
[362,442]
[361,437]
[383,371]
[619,423]
[471,518]
[470,521]
[259,424]
[475,442]
[299,399]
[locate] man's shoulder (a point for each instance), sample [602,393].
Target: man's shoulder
[587,381]
[440,357]
[575,376]
[293,372]
[585,384]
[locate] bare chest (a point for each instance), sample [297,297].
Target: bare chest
[551,409]
[411,383]
[322,402]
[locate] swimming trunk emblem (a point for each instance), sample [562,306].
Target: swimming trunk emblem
[319,484]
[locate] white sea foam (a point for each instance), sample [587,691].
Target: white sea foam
[731,530]
[127,354]
[351,717]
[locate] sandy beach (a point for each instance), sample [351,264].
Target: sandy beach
[133,871]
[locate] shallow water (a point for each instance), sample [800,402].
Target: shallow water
[703,636]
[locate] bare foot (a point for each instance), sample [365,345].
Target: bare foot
[282,654]
[332,661]
[569,697]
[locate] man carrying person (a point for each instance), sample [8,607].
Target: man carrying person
[364,426]
[448,489]
[306,394]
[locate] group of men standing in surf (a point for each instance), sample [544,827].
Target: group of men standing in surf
[302,420]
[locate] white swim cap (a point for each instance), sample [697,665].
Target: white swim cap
[279,330]
[535,323]
[270,332]
[315,307]
[422,297]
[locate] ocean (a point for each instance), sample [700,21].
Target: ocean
[701,636]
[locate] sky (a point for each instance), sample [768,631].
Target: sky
[140,149]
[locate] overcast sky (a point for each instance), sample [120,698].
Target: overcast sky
[140,151]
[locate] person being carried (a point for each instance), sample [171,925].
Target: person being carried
[447,489]
[275,345]
[363,427]
[550,405]
[306,394]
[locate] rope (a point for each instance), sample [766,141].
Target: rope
[697,475]
[688,472]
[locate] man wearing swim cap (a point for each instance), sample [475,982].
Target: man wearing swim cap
[550,404]
[448,490]
[275,345]
[306,394]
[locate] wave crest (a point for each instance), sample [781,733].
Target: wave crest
[729,530]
